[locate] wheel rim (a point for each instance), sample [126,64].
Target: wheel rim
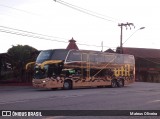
[66,85]
[114,84]
[120,83]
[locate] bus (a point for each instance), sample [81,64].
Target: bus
[67,69]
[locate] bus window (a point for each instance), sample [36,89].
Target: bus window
[84,57]
[100,58]
[129,59]
[119,59]
[109,58]
[59,54]
[74,56]
[93,57]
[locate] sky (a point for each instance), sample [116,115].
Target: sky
[49,24]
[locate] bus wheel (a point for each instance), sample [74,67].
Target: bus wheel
[120,83]
[53,88]
[114,83]
[67,85]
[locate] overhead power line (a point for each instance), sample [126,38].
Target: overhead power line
[24,31]
[24,11]
[80,9]
[30,35]
[87,11]
[37,35]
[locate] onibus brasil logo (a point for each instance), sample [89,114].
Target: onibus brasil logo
[21,113]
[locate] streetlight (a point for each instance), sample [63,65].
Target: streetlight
[133,34]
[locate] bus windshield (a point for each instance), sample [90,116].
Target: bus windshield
[58,54]
[48,71]
[44,55]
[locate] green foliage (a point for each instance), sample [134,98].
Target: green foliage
[19,56]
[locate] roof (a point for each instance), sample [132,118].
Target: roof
[72,45]
[109,50]
[142,52]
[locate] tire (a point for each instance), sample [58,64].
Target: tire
[67,85]
[114,83]
[120,83]
[99,86]
[53,89]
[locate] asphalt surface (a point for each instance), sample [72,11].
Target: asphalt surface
[138,96]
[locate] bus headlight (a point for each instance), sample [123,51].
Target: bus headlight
[43,81]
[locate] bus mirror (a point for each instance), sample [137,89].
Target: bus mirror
[50,62]
[29,64]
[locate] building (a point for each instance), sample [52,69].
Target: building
[109,51]
[72,45]
[147,63]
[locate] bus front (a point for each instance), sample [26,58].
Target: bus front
[48,68]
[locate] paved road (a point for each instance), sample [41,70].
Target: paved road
[138,96]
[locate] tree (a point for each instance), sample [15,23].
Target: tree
[20,55]
[4,64]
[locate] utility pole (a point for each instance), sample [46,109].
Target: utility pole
[102,46]
[121,35]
